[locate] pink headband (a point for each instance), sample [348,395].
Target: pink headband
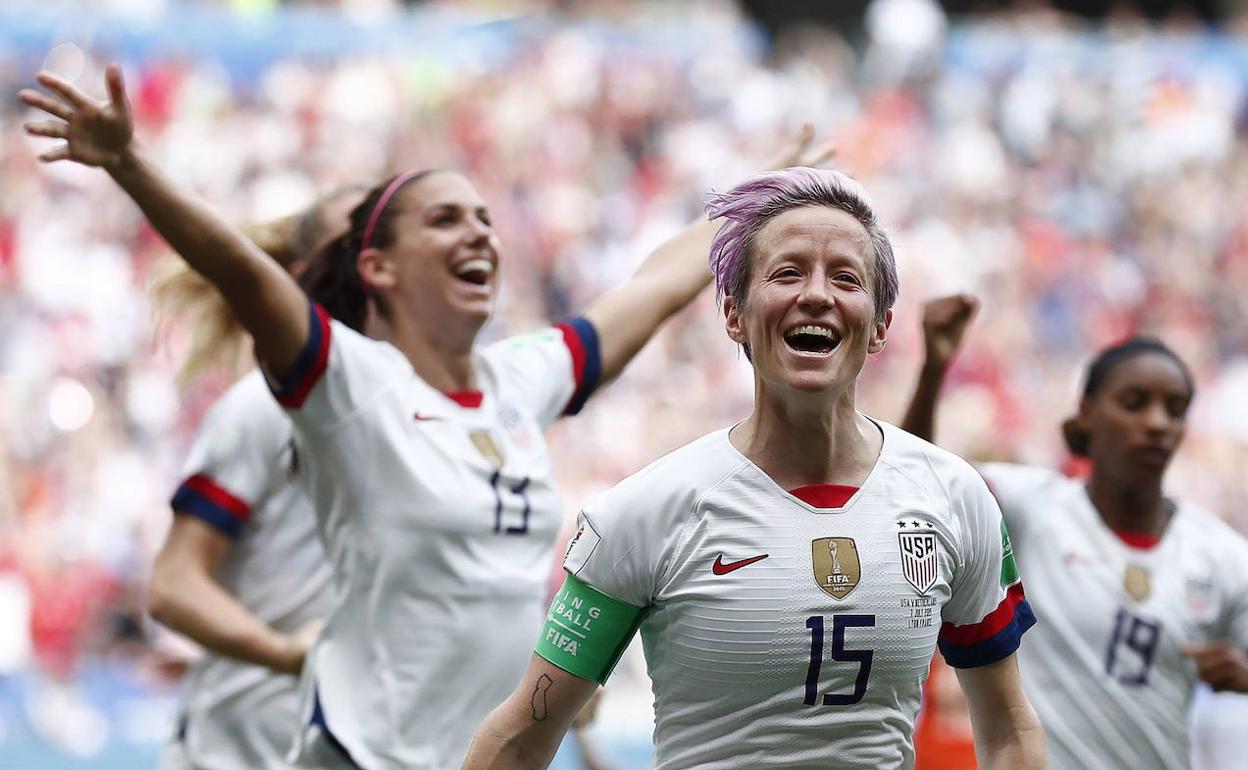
[390,190]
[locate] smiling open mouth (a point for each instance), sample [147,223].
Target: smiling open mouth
[476,271]
[810,338]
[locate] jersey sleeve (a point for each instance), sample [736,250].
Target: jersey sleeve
[553,371]
[987,613]
[1015,487]
[613,551]
[240,449]
[338,371]
[613,565]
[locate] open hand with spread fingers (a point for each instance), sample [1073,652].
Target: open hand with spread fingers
[797,151]
[96,133]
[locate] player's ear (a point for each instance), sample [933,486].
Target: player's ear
[732,321]
[376,269]
[879,333]
[735,328]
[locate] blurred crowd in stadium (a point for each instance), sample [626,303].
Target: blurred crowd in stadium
[1085,185]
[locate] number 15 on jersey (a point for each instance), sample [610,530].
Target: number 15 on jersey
[839,653]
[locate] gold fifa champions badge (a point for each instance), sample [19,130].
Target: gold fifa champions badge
[1137,582]
[836,565]
[484,443]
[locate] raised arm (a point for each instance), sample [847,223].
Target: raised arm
[266,300]
[526,729]
[185,596]
[1008,735]
[945,321]
[627,316]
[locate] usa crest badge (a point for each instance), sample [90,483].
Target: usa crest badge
[836,565]
[918,559]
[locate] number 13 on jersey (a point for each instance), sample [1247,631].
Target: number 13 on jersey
[511,496]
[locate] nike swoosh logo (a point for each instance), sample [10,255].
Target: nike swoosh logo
[719,568]
[424,417]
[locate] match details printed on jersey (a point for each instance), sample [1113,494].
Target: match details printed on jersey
[586,630]
[836,564]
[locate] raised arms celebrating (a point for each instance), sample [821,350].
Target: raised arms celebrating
[627,316]
[264,298]
[945,321]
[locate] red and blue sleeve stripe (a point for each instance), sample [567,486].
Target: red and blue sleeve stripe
[203,498]
[991,639]
[293,389]
[582,340]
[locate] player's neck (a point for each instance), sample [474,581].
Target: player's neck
[797,446]
[1128,507]
[443,363]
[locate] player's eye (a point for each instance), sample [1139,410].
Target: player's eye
[1132,400]
[445,216]
[847,277]
[1176,408]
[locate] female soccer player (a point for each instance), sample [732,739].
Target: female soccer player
[241,571]
[423,454]
[1138,596]
[792,575]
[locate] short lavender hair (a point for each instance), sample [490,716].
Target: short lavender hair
[748,207]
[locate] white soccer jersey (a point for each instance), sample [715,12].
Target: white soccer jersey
[238,478]
[439,514]
[780,634]
[1103,668]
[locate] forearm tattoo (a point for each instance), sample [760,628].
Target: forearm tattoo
[538,701]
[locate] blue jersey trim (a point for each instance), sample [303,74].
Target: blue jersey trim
[188,501]
[318,719]
[291,390]
[996,647]
[592,372]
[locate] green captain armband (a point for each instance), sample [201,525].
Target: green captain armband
[586,630]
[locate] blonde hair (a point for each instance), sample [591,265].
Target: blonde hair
[181,296]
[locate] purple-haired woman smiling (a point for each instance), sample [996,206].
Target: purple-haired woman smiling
[791,575]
